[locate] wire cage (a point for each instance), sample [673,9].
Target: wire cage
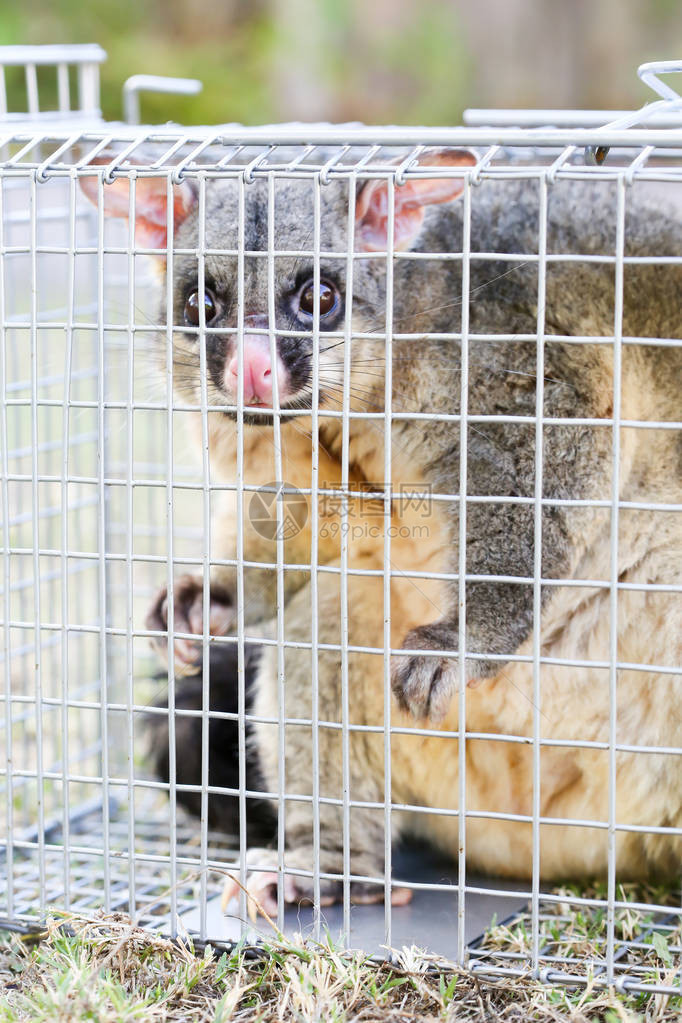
[115,489]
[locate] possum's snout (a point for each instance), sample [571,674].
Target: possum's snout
[257,374]
[257,369]
[297,306]
[292,368]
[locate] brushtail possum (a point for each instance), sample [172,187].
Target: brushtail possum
[593,391]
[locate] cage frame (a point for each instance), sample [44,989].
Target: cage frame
[41,156]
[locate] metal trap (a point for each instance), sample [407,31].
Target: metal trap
[104,500]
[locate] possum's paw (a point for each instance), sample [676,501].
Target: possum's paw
[261,887]
[424,685]
[188,616]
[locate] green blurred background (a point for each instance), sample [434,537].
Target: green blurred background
[378,61]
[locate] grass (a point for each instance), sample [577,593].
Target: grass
[107,970]
[580,932]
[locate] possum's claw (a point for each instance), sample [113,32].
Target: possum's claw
[363,894]
[261,889]
[188,617]
[261,893]
[424,685]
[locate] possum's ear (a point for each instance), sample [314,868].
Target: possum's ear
[371,207]
[151,205]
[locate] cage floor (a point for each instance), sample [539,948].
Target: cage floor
[77,883]
[497,926]
[429,920]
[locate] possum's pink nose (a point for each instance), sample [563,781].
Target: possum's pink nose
[257,372]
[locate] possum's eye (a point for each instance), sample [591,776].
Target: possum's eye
[329,298]
[192,308]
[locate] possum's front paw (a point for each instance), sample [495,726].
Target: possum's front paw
[188,617]
[263,875]
[425,684]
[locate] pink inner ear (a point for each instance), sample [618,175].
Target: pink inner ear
[371,210]
[151,210]
[371,225]
[151,205]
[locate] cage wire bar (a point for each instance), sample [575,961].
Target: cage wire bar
[102,498]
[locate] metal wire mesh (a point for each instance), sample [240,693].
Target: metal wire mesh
[106,496]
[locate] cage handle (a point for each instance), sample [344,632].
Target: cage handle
[649,74]
[136,84]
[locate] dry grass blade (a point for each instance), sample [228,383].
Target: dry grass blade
[107,969]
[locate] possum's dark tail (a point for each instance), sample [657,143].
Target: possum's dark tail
[223,746]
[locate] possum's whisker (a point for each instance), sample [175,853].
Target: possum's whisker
[379,361]
[376,427]
[303,246]
[458,301]
[353,388]
[294,425]
[371,374]
[398,406]
[361,396]
[122,309]
[329,348]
